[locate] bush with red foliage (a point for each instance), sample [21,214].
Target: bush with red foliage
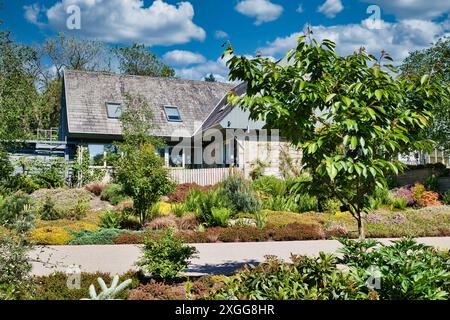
[297,231]
[243,234]
[96,188]
[182,190]
[429,198]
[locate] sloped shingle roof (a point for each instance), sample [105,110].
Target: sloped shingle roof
[223,108]
[88,92]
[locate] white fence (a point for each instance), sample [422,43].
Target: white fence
[203,177]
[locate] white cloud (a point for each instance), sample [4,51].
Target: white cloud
[128,21]
[183,58]
[398,39]
[262,10]
[198,72]
[32,13]
[300,8]
[220,34]
[407,9]
[331,7]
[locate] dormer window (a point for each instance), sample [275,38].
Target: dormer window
[173,114]
[114,110]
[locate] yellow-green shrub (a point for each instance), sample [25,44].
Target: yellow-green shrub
[51,236]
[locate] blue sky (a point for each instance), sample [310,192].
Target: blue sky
[188,34]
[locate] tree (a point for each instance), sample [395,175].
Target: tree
[434,61]
[75,54]
[17,90]
[140,171]
[349,115]
[137,60]
[210,78]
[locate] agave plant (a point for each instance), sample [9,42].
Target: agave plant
[108,293]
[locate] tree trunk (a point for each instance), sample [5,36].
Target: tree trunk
[361,233]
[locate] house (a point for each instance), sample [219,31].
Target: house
[200,128]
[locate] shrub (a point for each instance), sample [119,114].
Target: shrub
[79,211]
[102,236]
[51,236]
[49,175]
[429,198]
[261,220]
[14,269]
[167,257]
[446,198]
[297,231]
[374,203]
[161,223]
[270,186]
[203,203]
[16,213]
[115,200]
[332,205]
[407,193]
[306,203]
[399,203]
[431,183]
[240,234]
[408,270]
[220,217]
[383,195]
[111,190]
[240,194]
[157,291]
[48,212]
[182,190]
[418,191]
[178,210]
[188,222]
[110,220]
[95,188]
[24,183]
[129,238]
[54,286]
[304,279]
[125,205]
[279,203]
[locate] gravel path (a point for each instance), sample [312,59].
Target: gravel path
[215,258]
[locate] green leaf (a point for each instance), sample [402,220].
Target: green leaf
[330,97]
[379,94]
[354,142]
[424,79]
[347,101]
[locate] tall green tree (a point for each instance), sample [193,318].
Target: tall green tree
[434,61]
[140,170]
[138,60]
[17,89]
[349,115]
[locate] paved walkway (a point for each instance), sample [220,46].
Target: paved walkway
[215,258]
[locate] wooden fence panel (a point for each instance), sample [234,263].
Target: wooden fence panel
[203,177]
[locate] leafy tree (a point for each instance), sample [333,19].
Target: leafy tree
[17,90]
[349,115]
[75,54]
[138,60]
[210,78]
[47,107]
[140,171]
[434,61]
